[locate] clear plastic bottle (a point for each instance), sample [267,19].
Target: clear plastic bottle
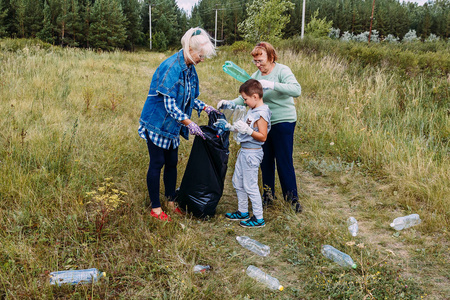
[201,269]
[262,277]
[337,256]
[76,276]
[406,222]
[352,226]
[252,245]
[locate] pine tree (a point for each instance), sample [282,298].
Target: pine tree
[107,30]
[131,11]
[47,32]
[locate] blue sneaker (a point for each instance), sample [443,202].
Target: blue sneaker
[237,216]
[253,222]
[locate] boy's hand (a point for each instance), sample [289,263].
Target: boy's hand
[266,84]
[243,128]
[223,124]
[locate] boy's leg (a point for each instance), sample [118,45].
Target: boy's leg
[250,175]
[238,183]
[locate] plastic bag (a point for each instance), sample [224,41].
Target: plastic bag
[202,185]
[233,115]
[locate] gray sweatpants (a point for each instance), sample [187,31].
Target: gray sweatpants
[245,180]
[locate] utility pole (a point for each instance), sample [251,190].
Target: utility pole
[150,22]
[215,30]
[303,18]
[215,27]
[371,19]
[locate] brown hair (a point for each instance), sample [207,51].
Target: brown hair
[268,48]
[250,87]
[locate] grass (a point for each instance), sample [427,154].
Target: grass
[369,143]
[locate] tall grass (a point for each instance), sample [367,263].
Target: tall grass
[68,126]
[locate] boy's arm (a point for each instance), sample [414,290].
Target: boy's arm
[261,134]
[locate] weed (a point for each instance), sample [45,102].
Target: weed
[103,201]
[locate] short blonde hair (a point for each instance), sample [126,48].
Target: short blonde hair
[198,40]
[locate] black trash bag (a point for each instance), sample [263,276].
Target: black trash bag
[203,180]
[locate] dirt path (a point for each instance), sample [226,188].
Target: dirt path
[423,256]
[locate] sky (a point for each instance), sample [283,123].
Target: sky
[187,4]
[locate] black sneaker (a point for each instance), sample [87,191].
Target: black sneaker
[237,216]
[297,207]
[253,222]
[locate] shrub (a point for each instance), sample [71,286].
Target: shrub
[241,47]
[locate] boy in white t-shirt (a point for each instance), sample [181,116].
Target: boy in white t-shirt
[252,135]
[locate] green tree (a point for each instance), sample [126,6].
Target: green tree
[318,27]
[131,10]
[6,18]
[266,20]
[48,30]
[107,28]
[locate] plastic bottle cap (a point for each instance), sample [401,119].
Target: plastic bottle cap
[354,266]
[281,287]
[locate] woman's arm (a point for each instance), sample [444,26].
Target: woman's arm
[287,83]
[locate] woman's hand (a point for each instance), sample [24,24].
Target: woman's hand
[194,129]
[266,84]
[226,104]
[210,109]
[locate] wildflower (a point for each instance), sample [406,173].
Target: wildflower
[101,189]
[332,144]
[115,191]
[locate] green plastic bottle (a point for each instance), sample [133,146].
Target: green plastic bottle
[235,71]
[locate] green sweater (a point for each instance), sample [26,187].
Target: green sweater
[280,100]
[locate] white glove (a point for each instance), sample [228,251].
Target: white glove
[243,128]
[225,104]
[266,84]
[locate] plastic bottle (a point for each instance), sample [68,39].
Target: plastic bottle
[252,245]
[201,269]
[352,226]
[236,72]
[337,256]
[406,222]
[262,277]
[76,276]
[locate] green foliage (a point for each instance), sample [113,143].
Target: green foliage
[107,30]
[266,20]
[241,47]
[318,27]
[410,58]
[160,41]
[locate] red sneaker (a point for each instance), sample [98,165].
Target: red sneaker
[178,212]
[161,216]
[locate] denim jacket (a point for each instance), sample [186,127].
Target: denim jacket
[170,79]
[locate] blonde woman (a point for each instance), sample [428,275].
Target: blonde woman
[167,114]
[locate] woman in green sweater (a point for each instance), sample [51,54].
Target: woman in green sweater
[280,88]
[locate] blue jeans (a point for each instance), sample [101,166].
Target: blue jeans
[160,157]
[279,148]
